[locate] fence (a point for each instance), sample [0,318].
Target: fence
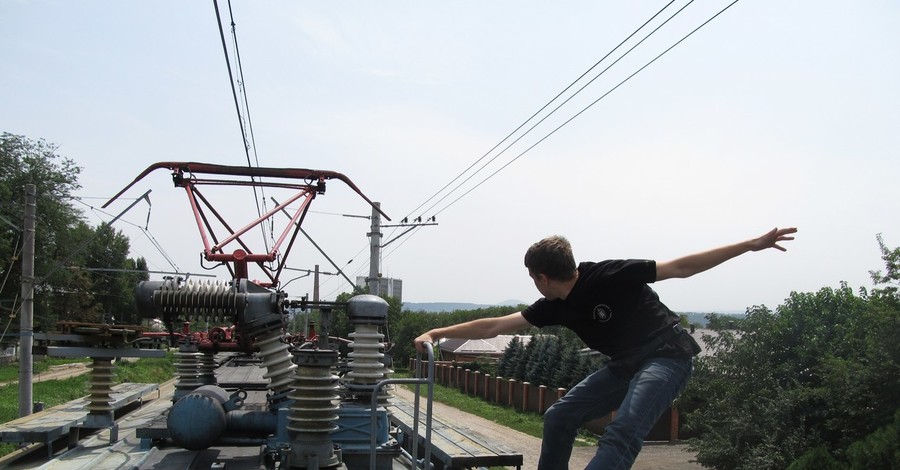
[524,396]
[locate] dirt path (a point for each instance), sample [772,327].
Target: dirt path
[652,457]
[59,372]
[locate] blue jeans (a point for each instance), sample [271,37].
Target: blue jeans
[639,401]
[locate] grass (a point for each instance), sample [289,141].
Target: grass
[525,422]
[146,370]
[57,392]
[10,372]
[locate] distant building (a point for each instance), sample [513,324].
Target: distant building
[698,333]
[387,286]
[471,350]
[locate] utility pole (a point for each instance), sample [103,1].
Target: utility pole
[26,319]
[316,285]
[375,244]
[374,249]
[315,299]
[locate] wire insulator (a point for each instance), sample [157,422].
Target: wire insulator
[313,414]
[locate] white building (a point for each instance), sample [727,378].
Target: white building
[387,286]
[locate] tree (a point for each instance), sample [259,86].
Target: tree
[24,161]
[507,363]
[80,271]
[550,361]
[569,370]
[113,282]
[528,354]
[821,372]
[537,360]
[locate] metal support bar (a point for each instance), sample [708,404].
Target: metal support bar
[428,380]
[69,351]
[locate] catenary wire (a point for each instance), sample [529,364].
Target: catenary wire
[252,136]
[545,106]
[522,125]
[536,113]
[568,120]
[237,106]
[588,106]
[144,230]
[573,95]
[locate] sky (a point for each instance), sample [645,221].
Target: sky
[772,114]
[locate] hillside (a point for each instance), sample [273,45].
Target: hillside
[436,307]
[696,318]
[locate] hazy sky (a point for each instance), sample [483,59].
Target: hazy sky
[773,114]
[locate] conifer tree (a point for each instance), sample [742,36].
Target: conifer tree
[527,355]
[566,374]
[507,362]
[552,356]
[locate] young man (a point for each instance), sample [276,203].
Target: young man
[613,310]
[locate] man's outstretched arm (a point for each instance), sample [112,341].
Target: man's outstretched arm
[475,329]
[689,265]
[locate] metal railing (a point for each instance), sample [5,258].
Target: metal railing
[418,382]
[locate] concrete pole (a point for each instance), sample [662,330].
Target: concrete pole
[315,299]
[374,249]
[26,319]
[316,285]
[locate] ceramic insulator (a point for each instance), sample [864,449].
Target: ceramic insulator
[187,371]
[314,411]
[101,387]
[277,361]
[366,366]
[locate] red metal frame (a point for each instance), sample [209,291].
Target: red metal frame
[184,174]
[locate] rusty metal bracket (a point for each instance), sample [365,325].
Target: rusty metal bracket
[307,184]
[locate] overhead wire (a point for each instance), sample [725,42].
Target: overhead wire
[534,115]
[252,139]
[589,105]
[260,201]
[247,144]
[524,123]
[144,230]
[566,122]
[12,262]
[468,191]
[592,103]
[530,118]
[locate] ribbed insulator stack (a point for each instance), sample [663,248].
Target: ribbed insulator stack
[367,314]
[214,301]
[187,370]
[207,369]
[313,414]
[100,399]
[366,363]
[277,360]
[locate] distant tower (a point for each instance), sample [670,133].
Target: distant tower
[384,286]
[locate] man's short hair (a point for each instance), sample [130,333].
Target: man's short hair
[551,257]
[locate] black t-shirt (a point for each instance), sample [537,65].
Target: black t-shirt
[613,310]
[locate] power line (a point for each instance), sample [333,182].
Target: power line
[524,123]
[536,113]
[579,112]
[260,205]
[558,107]
[589,105]
[145,230]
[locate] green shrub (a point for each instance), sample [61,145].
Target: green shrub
[816,459]
[879,450]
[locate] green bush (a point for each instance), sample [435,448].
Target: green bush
[816,459]
[879,450]
[820,372]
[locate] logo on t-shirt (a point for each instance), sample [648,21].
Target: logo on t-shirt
[602,313]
